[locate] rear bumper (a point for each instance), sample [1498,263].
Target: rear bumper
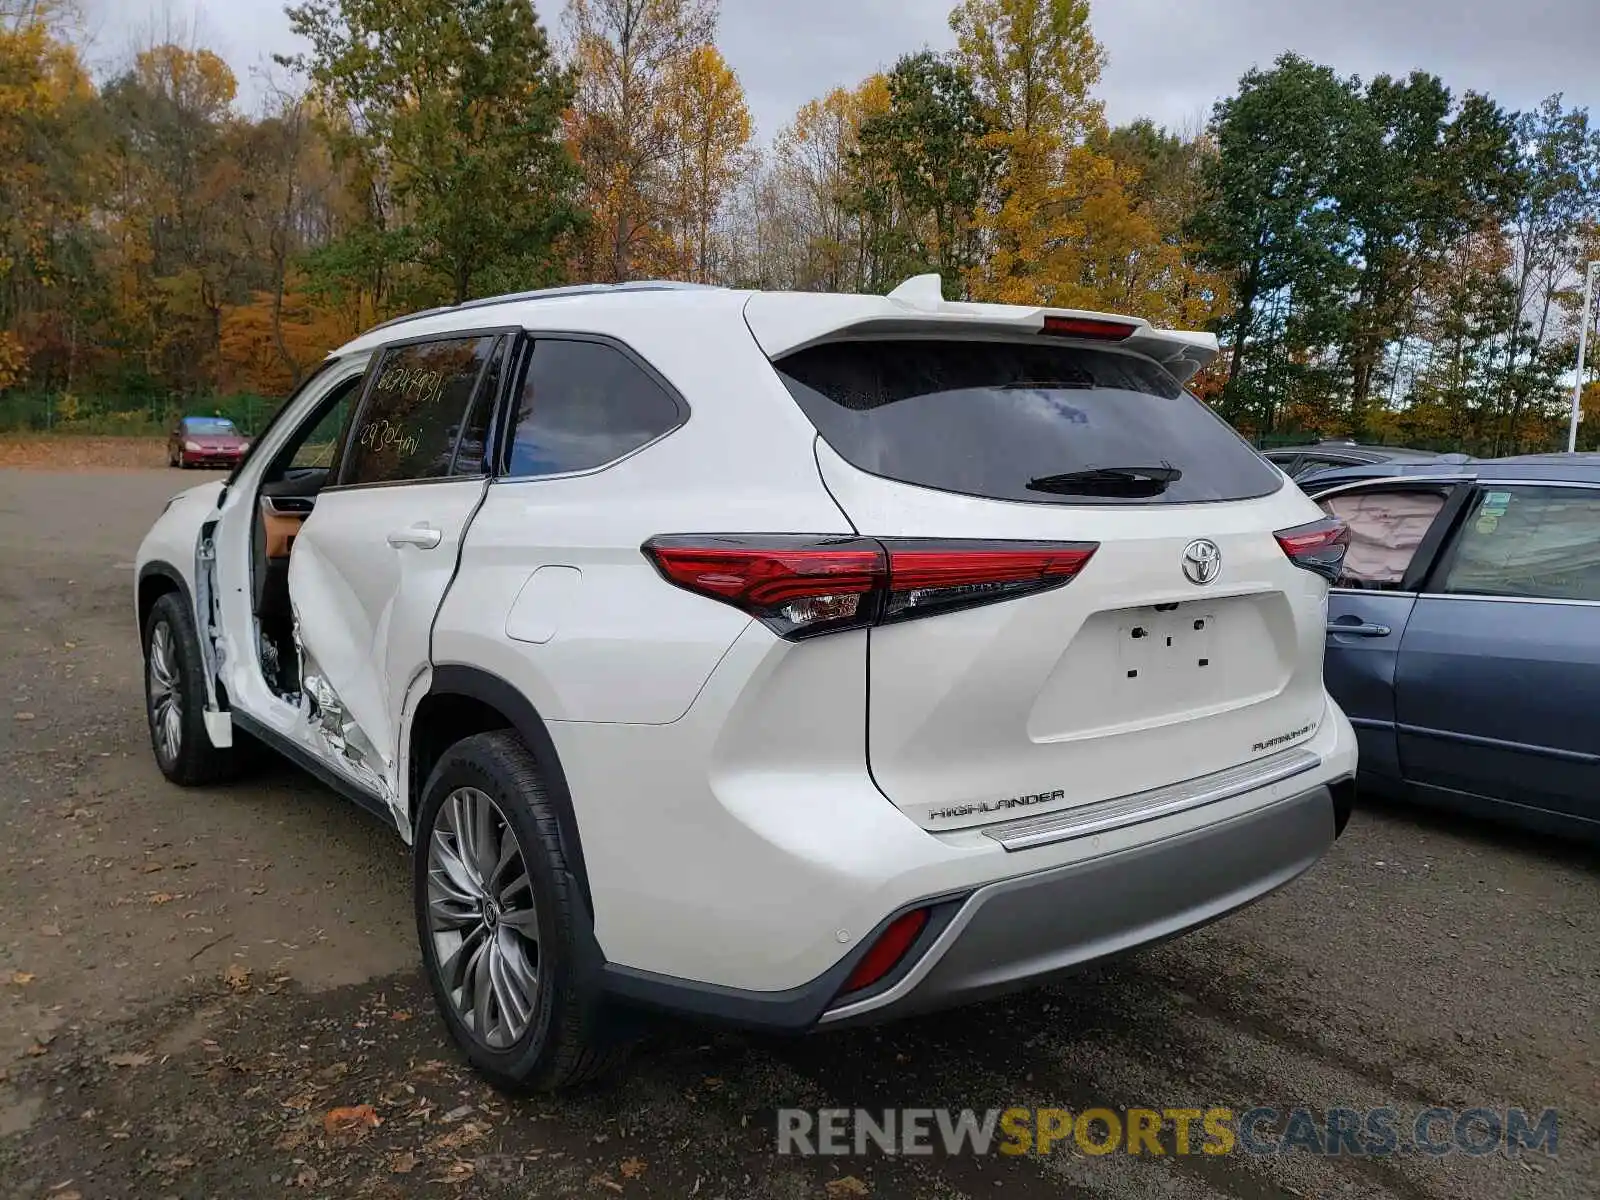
[1024,930]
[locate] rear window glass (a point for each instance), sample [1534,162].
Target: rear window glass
[1047,424]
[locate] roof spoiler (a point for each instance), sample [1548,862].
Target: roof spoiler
[784,322]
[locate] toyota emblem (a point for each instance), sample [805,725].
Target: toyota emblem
[1202,561]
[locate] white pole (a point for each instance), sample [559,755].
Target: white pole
[1583,351]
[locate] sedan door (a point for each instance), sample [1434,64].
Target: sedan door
[1395,530]
[1499,678]
[373,561]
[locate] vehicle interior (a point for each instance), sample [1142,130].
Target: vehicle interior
[287,495]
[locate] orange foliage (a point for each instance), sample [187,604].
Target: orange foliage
[257,355]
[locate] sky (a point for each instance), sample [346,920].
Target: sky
[1168,60]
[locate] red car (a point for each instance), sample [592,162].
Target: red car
[205,442]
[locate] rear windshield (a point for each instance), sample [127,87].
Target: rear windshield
[1047,424]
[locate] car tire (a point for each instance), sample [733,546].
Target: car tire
[511,964]
[175,698]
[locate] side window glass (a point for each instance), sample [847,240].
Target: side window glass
[414,411]
[1535,542]
[1386,528]
[317,444]
[473,449]
[582,405]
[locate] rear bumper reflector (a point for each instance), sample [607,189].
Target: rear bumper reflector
[1032,928]
[1151,805]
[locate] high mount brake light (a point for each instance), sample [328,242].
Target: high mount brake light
[1089,327]
[1319,546]
[802,586]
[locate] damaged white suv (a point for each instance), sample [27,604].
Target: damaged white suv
[776,659]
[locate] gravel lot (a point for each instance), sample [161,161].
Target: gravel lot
[190,981]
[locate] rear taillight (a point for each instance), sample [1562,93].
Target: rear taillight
[800,586]
[932,576]
[1318,547]
[803,586]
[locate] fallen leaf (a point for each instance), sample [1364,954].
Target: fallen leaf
[24,716]
[293,1139]
[403,1164]
[632,1168]
[351,1119]
[305,1177]
[161,897]
[237,976]
[130,1058]
[22,978]
[465,1135]
[458,1172]
[846,1185]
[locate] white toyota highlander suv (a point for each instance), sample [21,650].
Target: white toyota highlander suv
[775,659]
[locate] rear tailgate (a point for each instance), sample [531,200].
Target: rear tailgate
[1136,674]
[1128,678]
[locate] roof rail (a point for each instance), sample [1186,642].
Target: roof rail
[571,289]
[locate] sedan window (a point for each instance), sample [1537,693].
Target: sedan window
[1386,528]
[1531,542]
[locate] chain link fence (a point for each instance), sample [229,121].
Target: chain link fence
[125,416]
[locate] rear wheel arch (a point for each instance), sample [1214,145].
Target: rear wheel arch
[462,701]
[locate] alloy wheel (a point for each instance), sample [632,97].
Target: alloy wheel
[482,918]
[166,693]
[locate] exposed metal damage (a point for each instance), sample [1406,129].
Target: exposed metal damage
[329,721]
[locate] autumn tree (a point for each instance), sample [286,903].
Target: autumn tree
[632,58]
[1270,224]
[1033,65]
[176,252]
[710,129]
[1558,193]
[47,184]
[919,171]
[1415,176]
[280,193]
[455,106]
[810,226]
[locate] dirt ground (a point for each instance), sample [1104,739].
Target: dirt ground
[191,980]
[62,452]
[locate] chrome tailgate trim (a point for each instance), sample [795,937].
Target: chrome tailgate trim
[1159,802]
